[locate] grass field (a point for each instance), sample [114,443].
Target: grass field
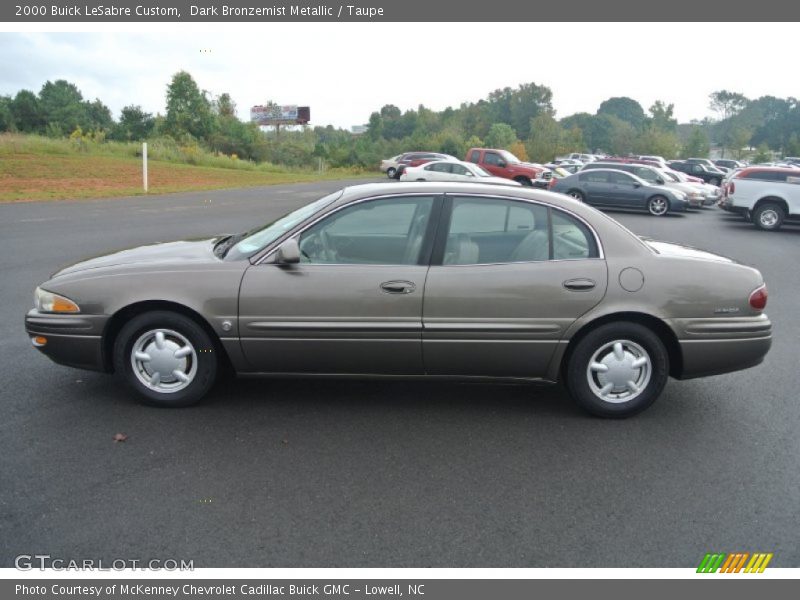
[37,168]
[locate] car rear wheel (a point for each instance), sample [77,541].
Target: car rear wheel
[617,370]
[167,358]
[658,206]
[524,181]
[577,194]
[769,216]
[390,172]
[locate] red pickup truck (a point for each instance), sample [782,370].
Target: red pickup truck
[502,163]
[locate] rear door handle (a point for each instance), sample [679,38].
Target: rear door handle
[398,287]
[579,285]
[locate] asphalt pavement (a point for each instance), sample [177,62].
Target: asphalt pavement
[308,473]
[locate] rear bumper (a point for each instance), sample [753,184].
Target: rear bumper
[716,346]
[72,340]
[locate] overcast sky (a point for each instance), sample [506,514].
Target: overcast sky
[345,71]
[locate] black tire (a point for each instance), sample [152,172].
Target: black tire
[524,181]
[658,206]
[390,172]
[578,195]
[420,179]
[178,332]
[769,216]
[585,385]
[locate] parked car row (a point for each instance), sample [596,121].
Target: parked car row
[766,194]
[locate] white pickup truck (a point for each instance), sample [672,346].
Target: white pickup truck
[767,196]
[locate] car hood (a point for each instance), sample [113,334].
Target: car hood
[163,252]
[681,251]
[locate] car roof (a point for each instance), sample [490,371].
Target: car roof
[357,192]
[766,168]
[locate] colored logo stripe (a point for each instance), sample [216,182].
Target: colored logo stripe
[734,562]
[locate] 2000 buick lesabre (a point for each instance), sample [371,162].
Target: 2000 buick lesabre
[405,280]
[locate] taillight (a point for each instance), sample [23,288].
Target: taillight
[758,299]
[552,183]
[731,188]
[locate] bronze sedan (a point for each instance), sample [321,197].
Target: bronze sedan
[448,280]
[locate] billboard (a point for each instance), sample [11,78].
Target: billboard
[275,114]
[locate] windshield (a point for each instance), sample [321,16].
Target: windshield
[670,176]
[508,157]
[480,172]
[259,238]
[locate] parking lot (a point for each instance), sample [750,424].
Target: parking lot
[294,473]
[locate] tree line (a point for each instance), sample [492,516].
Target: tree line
[520,119]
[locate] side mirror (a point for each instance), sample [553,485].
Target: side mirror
[636,184]
[659,181]
[288,253]
[502,164]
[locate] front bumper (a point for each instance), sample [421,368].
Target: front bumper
[72,340]
[722,345]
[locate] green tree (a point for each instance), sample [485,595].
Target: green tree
[501,135]
[696,144]
[762,154]
[6,118]
[27,112]
[188,109]
[224,106]
[375,126]
[727,105]
[625,109]
[655,140]
[661,116]
[546,140]
[62,107]
[134,124]
[98,116]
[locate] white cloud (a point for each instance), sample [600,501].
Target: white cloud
[344,71]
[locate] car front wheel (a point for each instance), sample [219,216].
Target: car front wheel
[617,370]
[390,172]
[658,206]
[167,358]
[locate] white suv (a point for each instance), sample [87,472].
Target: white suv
[766,195]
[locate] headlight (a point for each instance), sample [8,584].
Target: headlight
[49,302]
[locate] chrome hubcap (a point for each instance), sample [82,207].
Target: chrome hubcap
[619,371]
[164,360]
[768,218]
[658,206]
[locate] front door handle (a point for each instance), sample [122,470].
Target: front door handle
[398,287]
[579,285]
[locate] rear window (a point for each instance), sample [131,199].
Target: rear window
[765,175]
[475,156]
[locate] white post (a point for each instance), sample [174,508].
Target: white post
[144,165]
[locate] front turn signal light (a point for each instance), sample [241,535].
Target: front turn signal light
[39,341]
[54,303]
